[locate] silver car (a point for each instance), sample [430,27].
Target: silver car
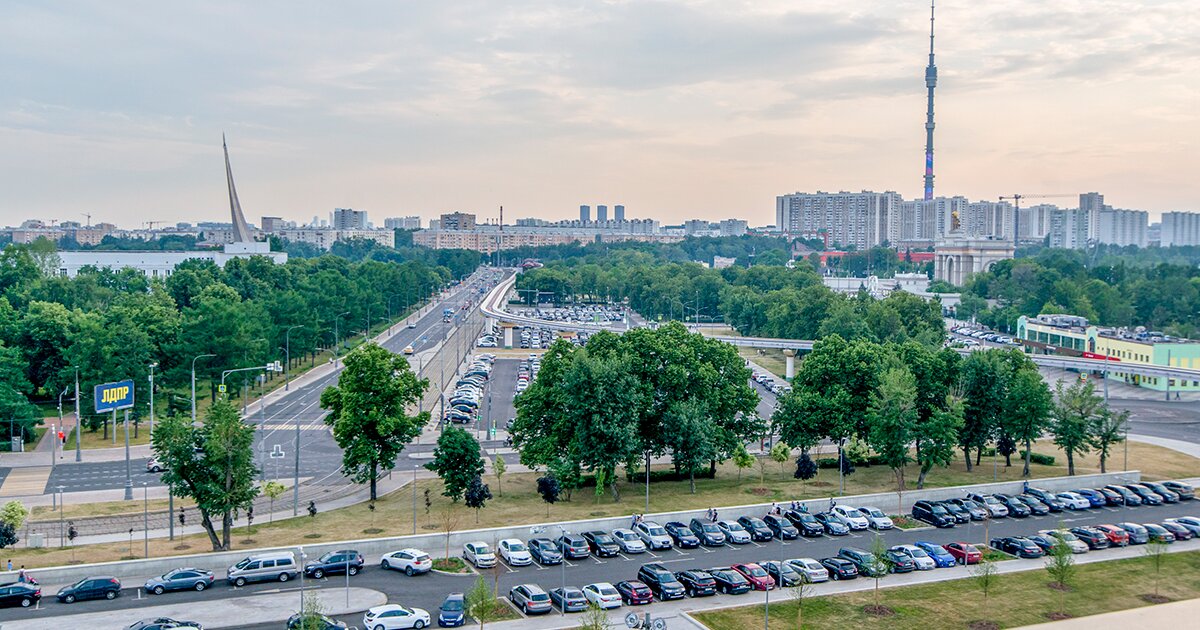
[810,569]
[653,535]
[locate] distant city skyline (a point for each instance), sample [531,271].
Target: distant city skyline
[679,110]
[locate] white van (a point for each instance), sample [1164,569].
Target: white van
[264,567]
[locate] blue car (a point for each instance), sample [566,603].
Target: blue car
[450,613]
[941,557]
[1095,498]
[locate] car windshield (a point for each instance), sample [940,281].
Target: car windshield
[628,536]
[853,513]
[540,597]
[242,564]
[710,528]
[452,604]
[1067,536]
[917,552]
[421,557]
[756,571]
[606,591]
[874,512]
[482,549]
[603,539]
[937,509]
[734,527]
[971,505]
[992,500]
[656,531]
[516,547]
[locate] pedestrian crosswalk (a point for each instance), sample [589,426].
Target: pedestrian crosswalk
[315,425]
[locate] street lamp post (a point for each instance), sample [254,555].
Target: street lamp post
[128,468]
[202,356]
[60,426]
[152,366]
[146,518]
[78,421]
[337,337]
[287,351]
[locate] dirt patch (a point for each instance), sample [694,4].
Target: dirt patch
[247,541]
[762,492]
[181,547]
[1058,587]
[1058,616]
[821,484]
[878,611]
[430,527]
[983,625]
[1151,598]
[312,536]
[372,530]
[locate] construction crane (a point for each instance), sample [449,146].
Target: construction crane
[89,217]
[1016,199]
[150,224]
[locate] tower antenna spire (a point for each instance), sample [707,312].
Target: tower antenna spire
[930,83]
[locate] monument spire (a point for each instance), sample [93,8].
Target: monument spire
[241,231]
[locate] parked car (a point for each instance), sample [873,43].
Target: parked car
[921,560]
[479,554]
[164,623]
[865,561]
[514,552]
[1018,546]
[1190,522]
[263,567]
[782,573]
[1117,537]
[395,617]
[100,587]
[155,465]
[1094,497]
[937,553]
[729,582]
[709,534]
[314,621]
[840,568]
[995,507]
[573,546]
[179,580]
[601,544]
[876,518]
[1168,495]
[1138,535]
[530,599]
[1128,497]
[957,512]
[1016,507]
[603,595]
[1180,532]
[757,528]
[681,535]
[1071,540]
[932,513]
[1092,537]
[1148,496]
[697,583]
[756,575]
[653,535]
[963,552]
[452,612]
[855,519]
[634,593]
[810,569]
[781,527]
[1074,500]
[1185,491]
[1052,502]
[1036,507]
[974,510]
[568,599]
[833,524]
[660,581]
[806,523]
[1158,533]
[544,551]
[17,594]
[336,563]
[628,541]
[1111,497]
[734,532]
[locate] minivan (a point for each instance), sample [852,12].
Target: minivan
[264,567]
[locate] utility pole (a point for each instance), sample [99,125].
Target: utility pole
[152,366]
[287,351]
[194,384]
[78,421]
[128,469]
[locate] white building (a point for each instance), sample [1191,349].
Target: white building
[863,220]
[1068,228]
[1035,221]
[1180,228]
[325,238]
[402,223]
[733,227]
[1122,227]
[1091,204]
[349,219]
[160,264]
[988,218]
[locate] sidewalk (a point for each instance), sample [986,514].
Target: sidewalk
[1171,615]
[1187,448]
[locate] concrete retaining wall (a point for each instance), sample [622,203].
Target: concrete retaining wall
[135,571]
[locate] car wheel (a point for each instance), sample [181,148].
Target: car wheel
[25,603]
[408,571]
[283,577]
[837,577]
[379,627]
[239,582]
[200,586]
[353,570]
[159,590]
[318,574]
[691,593]
[69,599]
[110,595]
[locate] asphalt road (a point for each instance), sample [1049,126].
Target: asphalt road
[427,591]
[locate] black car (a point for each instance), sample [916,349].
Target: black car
[899,562]
[1177,530]
[1129,496]
[781,527]
[1017,546]
[101,587]
[840,568]
[681,535]
[1043,541]
[335,563]
[960,514]
[729,582]
[601,544]
[1111,497]
[1148,496]
[1185,491]
[758,528]
[1016,507]
[933,513]
[1092,537]
[834,525]
[660,581]
[17,594]
[697,583]
[709,534]
[807,523]
[544,551]
[1168,495]
[163,623]
[783,573]
[976,511]
[572,546]
[315,621]
[1036,507]
[863,560]
[1054,503]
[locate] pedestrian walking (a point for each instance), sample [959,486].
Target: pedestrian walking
[182,517]
[21,575]
[10,565]
[312,508]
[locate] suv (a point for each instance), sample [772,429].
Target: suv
[757,527]
[709,534]
[661,582]
[781,527]
[530,599]
[696,582]
[479,554]
[344,561]
[573,547]
[805,522]
[1053,502]
[653,535]
[932,513]
[106,587]
[863,560]
[995,508]
[601,544]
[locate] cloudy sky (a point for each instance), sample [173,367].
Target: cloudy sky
[676,108]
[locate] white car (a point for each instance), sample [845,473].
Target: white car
[810,569]
[410,561]
[1073,542]
[1074,501]
[514,552]
[653,535]
[876,518]
[395,617]
[628,541]
[479,554]
[603,595]
[920,558]
[852,516]
[734,532]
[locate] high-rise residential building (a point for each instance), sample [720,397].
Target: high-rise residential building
[1035,221]
[601,214]
[402,223]
[1122,227]
[988,218]
[697,227]
[618,213]
[864,219]
[1179,229]
[1069,228]
[1091,204]
[732,227]
[921,221]
[349,219]
[585,214]
[457,221]
[271,225]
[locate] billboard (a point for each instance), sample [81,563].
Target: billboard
[114,396]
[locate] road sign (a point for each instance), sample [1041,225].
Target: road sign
[221,388]
[277,452]
[114,396]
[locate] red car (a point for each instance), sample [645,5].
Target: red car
[758,577]
[964,553]
[634,593]
[1116,535]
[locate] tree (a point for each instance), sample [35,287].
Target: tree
[480,602]
[273,490]
[893,415]
[212,464]
[457,460]
[800,590]
[477,495]
[1075,411]
[548,487]
[14,513]
[986,577]
[368,411]
[8,535]
[312,609]
[780,454]
[1108,430]
[937,437]
[594,618]
[1060,564]
[1027,406]
[690,436]
[498,467]
[1156,551]
[605,399]
[984,380]
[882,567]
[742,459]
[806,468]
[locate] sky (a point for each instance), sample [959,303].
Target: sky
[677,109]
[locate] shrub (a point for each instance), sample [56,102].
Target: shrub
[1039,459]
